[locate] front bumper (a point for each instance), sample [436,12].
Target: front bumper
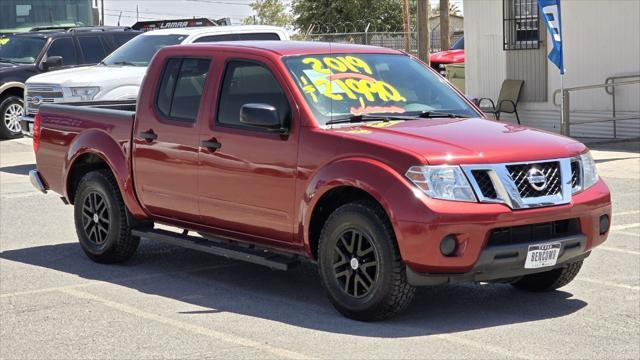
[504,262]
[420,231]
[26,122]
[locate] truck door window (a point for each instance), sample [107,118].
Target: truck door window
[92,49]
[181,88]
[248,82]
[63,47]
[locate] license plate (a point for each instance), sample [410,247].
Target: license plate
[542,255]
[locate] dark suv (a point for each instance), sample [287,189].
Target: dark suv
[45,49]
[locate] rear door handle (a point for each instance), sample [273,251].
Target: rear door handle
[148,135]
[212,144]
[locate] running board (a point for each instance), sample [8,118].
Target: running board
[221,247]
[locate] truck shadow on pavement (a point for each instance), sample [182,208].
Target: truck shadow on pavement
[18,169]
[208,285]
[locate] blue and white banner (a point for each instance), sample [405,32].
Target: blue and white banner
[550,10]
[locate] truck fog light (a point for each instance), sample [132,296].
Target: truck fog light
[448,245]
[604,224]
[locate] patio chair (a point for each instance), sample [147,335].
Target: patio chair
[507,100]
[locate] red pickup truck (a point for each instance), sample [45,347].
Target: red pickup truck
[360,159]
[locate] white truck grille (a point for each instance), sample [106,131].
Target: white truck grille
[36,95]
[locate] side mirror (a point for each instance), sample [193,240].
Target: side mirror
[263,116]
[52,62]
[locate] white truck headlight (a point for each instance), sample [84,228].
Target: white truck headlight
[85,93]
[589,172]
[442,182]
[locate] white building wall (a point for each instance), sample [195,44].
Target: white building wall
[485,67]
[601,39]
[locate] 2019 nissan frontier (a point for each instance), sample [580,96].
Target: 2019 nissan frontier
[360,159]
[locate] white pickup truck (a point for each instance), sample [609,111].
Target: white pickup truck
[119,75]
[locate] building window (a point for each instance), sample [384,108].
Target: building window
[521,23]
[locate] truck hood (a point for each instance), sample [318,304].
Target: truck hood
[96,75]
[448,57]
[465,141]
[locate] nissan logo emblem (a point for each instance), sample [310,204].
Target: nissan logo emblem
[537,179]
[36,100]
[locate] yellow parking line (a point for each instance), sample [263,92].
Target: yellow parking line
[624,226]
[115,281]
[609,283]
[626,213]
[608,248]
[232,339]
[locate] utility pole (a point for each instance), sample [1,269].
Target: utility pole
[423,30]
[101,12]
[445,40]
[137,14]
[405,25]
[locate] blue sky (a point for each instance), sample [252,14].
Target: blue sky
[174,9]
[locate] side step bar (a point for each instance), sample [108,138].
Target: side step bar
[221,247]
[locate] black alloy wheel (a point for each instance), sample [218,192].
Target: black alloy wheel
[355,263]
[95,218]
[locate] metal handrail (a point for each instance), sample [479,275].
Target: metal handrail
[609,86]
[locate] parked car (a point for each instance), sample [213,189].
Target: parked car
[455,55]
[119,76]
[27,54]
[357,158]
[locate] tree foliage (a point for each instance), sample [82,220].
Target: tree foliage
[340,15]
[269,12]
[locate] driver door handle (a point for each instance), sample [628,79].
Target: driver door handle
[148,135]
[212,144]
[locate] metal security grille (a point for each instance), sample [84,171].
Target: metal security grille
[551,170]
[520,26]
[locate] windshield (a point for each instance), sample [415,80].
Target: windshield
[458,45]
[139,50]
[340,85]
[21,49]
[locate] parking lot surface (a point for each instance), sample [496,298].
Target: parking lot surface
[169,302]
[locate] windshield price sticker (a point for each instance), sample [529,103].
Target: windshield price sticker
[348,77]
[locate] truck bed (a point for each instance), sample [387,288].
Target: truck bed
[63,125]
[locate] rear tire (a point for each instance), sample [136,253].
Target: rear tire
[549,280]
[360,264]
[103,223]
[11,108]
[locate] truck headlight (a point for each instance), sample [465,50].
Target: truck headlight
[442,182]
[86,93]
[589,172]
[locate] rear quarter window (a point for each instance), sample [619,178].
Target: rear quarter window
[181,88]
[238,37]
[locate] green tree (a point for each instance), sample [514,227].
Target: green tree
[331,15]
[269,12]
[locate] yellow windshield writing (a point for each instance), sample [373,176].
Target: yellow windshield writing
[348,77]
[4,41]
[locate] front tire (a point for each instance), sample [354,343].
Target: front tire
[548,280]
[11,109]
[102,219]
[360,264]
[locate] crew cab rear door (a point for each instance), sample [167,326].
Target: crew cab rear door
[166,138]
[247,173]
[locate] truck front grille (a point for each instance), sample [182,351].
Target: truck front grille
[533,232]
[36,95]
[520,175]
[525,185]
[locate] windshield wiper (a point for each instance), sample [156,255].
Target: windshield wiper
[436,114]
[126,63]
[367,117]
[5,60]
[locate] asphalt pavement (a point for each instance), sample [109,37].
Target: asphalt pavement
[169,302]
